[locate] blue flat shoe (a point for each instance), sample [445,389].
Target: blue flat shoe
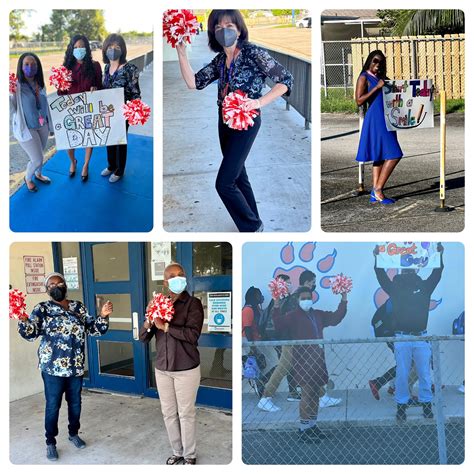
[385,200]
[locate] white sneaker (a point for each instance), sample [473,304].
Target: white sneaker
[105,172]
[325,402]
[266,404]
[461,389]
[114,178]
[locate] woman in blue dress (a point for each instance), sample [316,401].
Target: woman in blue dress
[376,144]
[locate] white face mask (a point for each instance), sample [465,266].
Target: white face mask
[305,305]
[177,284]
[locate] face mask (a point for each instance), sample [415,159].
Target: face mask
[177,285]
[30,70]
[113,54]
[79,53]
[305,305]
[58,293]
[226,37]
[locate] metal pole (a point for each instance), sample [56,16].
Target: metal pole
[323,58]
[344,71]
[438,402]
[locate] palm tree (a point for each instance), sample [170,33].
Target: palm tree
[422,22]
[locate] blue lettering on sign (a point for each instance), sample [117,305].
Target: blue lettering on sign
[411,261]
[219,319]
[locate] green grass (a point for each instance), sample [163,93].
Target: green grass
[342,102]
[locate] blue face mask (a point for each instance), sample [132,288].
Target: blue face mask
[177,284]
[305,305]
[79,53]
[30,70]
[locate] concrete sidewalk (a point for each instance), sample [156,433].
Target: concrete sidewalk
[279,165]
[414,183]
[358,408]
[117,429]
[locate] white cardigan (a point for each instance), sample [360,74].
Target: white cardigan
[19,127]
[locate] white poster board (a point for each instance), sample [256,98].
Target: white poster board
[408,104]
[414,255]
[219,311]
[71,272]
[160,258]
[88,119]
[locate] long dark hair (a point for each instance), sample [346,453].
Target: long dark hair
[236,18]
[382,74]
[253,297]
[70,61]
[39,78]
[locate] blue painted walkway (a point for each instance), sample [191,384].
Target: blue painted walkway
[70,205]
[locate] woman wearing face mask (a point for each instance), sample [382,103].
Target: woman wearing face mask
[309,364]
[86,76]
[31,122]
[118,73]
[376,143]
[177,371]
[239,65]
[63,326]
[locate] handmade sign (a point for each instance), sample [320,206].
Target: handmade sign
[408,104]
[414,255]
[88,119]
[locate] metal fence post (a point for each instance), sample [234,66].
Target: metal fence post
[323,66]
[438,399]
[344,71]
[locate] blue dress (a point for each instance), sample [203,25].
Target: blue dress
[376,142]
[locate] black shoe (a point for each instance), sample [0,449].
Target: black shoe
[401,412]
[73,173]
[51,452]
[84,178]
[316,432]
[77,442]
[306,436]
[427,410]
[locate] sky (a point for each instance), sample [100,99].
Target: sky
[118,19]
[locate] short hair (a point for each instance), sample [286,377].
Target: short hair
[283,276]
[173,264]
[235,17]
[39,78]
[306,276]
[114,38]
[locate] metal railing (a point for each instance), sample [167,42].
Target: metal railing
[356,423]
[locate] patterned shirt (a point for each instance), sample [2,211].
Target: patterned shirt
[247,73]
[126,77]
[63,331]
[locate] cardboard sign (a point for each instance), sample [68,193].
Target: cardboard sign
[413,255]
[219,311]
[408,104]
[88,119]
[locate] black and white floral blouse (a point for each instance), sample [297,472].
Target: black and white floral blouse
[61,350]
[126,77]
[248,73]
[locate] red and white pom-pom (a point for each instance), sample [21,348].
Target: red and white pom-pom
[179,26]
[278,288]
[160,307]
[341,284]
[233,114]
[12,83]
[136,112]
[17,305]
[60,78]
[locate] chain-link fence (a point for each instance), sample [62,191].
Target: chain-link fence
[431,57]
[335,402]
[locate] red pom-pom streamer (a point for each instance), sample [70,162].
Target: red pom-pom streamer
[234,116]
[179,26]
[160,307]
[60,78]
[17,305]
[278,288]
[341,284]
[136,112]
[12,83]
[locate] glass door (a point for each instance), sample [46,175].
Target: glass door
[114,271]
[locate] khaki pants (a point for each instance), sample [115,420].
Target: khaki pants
[281,370]
[177,392]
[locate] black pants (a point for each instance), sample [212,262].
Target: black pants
[117,157]
[232,183]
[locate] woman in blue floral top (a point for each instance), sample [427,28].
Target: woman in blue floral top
[118,73]
[63,326]
[239,65]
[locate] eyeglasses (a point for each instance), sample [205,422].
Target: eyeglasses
[56,285]
[376,61]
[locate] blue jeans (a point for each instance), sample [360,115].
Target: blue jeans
[54,388]
[405,353]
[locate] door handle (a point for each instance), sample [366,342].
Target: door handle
[135,325]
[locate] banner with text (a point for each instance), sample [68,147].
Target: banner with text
[414,255]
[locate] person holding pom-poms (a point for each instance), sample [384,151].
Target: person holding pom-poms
[118,73]
[176,328]
[31,121]
[244,67]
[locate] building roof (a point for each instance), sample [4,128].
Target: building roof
[348,15]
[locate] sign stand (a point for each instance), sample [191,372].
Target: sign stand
[442,161]
[360,191]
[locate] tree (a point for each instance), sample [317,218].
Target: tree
[17,23]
